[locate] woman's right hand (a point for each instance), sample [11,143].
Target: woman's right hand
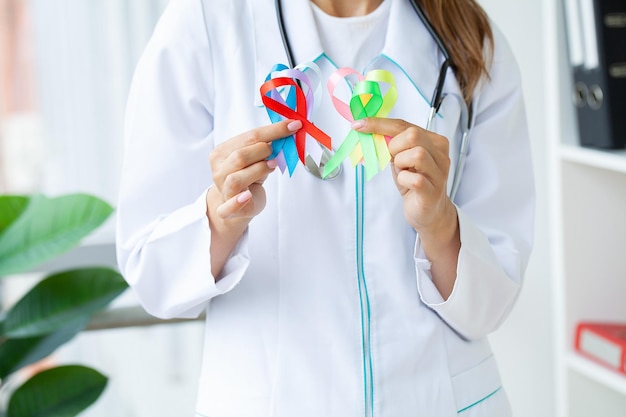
[240,167]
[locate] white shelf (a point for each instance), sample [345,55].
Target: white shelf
[613,160]
[587,206]
[596,372]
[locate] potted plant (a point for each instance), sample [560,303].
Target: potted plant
[35,229]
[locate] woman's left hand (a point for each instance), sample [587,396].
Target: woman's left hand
[420,165]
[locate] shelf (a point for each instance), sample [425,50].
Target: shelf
[614,160]
[596,372]
[92,254]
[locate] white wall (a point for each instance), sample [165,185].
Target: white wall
[86,52]
[524,345]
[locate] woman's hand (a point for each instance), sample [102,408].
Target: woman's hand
[420,166]
[239,168]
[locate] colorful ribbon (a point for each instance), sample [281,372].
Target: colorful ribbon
[284,97]
[367,101]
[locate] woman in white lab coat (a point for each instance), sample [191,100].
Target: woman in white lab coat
[342,297]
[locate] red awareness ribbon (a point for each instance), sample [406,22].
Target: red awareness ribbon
[299,113]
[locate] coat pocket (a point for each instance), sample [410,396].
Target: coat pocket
[478,391]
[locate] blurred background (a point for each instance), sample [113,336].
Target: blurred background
[65,69]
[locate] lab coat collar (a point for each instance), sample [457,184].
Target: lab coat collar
[408,44]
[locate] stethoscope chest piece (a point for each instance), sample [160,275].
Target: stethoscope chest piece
[317,170]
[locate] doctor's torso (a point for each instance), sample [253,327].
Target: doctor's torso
[302,310]
[328,318]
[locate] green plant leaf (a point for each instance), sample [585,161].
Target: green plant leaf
[63,299]
[45,228]
[58,392]
[18,353]
[11,206]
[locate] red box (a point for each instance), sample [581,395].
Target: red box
[604,343]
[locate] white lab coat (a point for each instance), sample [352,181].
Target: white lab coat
[291,329]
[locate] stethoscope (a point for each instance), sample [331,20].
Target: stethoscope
[435,103]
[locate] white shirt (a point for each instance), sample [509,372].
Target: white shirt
[352,41]
[326,306]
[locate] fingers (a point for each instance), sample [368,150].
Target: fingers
[420,166]
[405,135]
[264,134]
[382,126]
[423,146]
[234,204]
[248,148]
[240,166]
[416,137]
[240,180]
[414,181]
[419,160]
[237,160]
[245,204]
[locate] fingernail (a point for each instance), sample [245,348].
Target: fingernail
[294,126]
[243,197]
[272,163]
[357,124]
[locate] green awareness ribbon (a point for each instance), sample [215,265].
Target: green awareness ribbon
[366,101]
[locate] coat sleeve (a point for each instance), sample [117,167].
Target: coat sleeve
[163,236]
[495,205]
